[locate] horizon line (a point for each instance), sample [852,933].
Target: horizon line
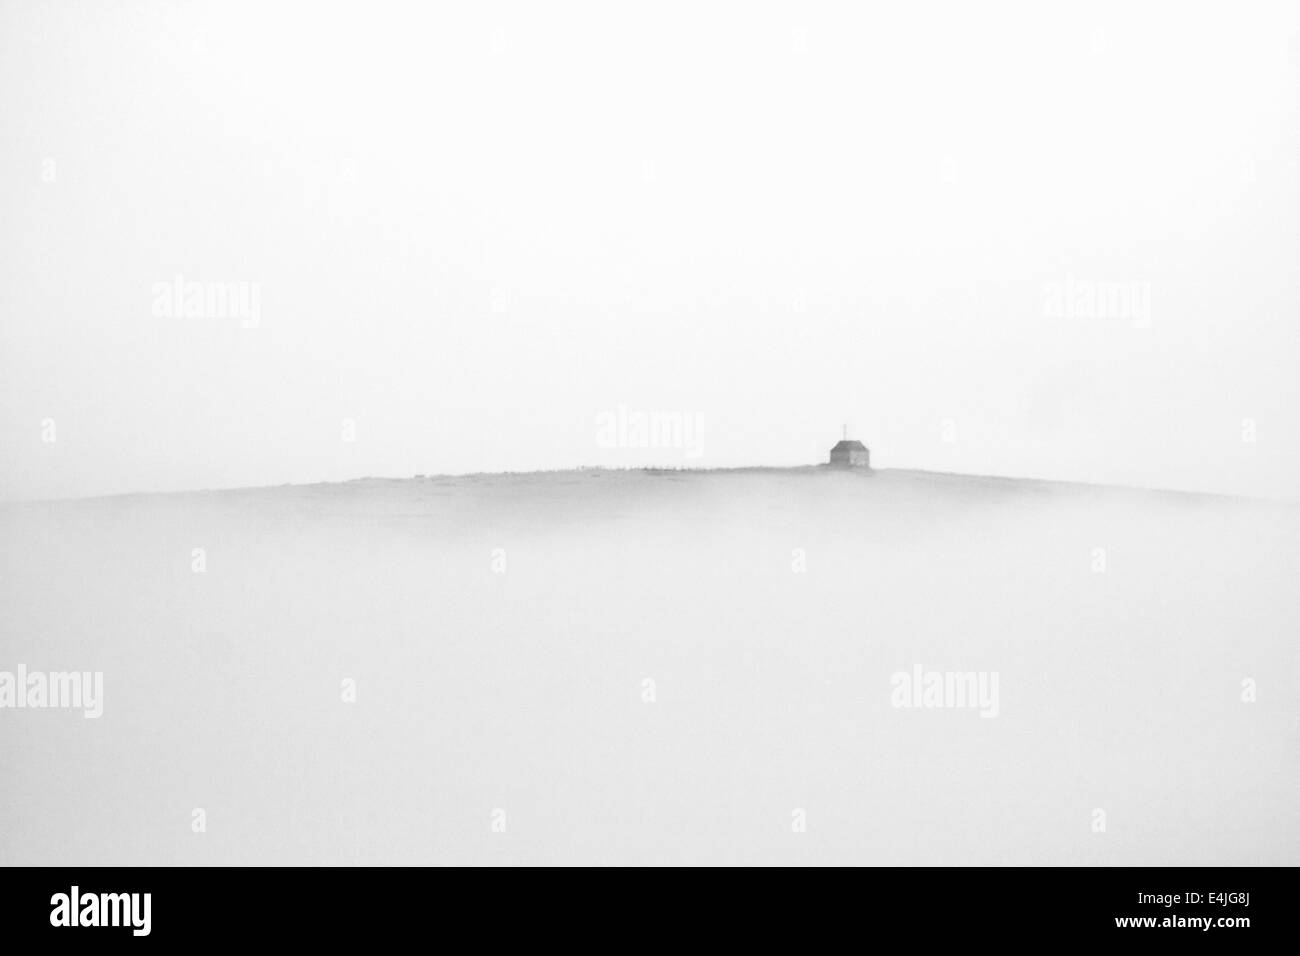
[818,466]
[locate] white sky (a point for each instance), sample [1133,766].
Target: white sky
[476,228]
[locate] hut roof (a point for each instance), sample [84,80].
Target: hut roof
[849,444]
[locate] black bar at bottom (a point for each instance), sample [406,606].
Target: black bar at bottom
[341,906]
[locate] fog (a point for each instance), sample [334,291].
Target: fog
[500,631]
[1055,243]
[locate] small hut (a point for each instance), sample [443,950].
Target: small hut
[848,453]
